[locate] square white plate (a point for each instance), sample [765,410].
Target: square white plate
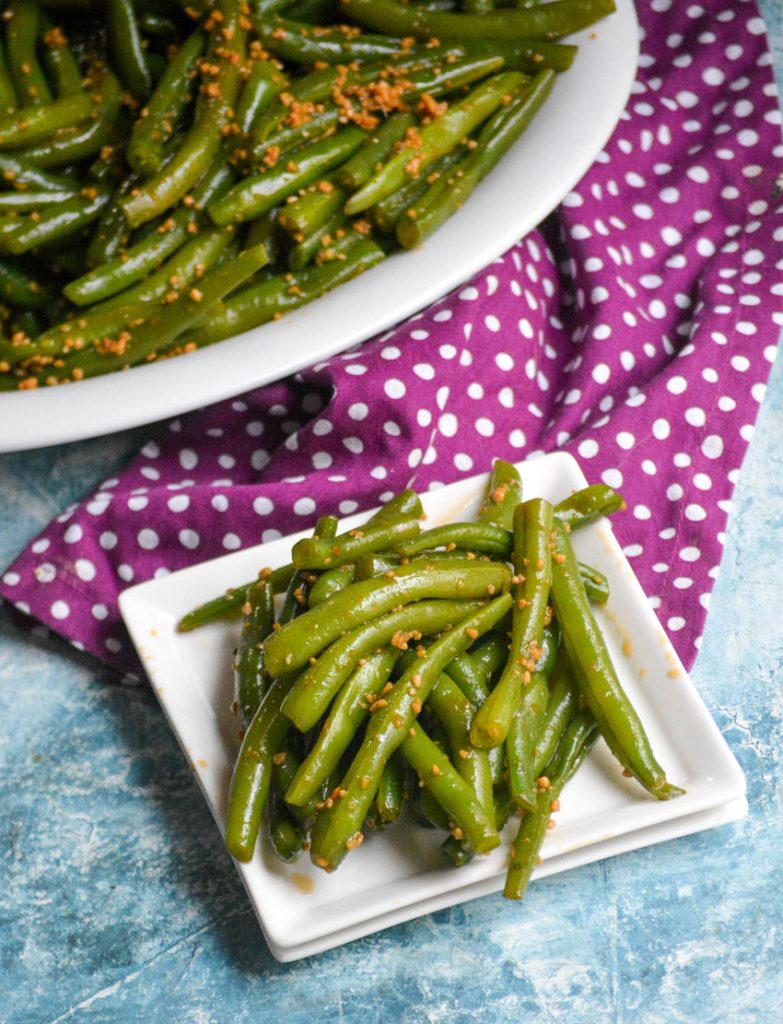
[304,911]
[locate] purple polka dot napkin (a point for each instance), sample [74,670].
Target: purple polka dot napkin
[635,328]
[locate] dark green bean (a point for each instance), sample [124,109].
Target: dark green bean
[389,794]
[33,124]
[287,837]
[504,493]
[129,56]
[448,194]
[233,599]
[524,732]
[21,234]
[256,195]
[7,91]
[250,680]
[203,141]
[62,66]
[18,173]
[157,121]
[376,150]
[330,582]
[20,289]
[22,18]
[546,21]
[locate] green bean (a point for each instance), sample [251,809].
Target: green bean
[61,64]
[285,768]
[386,214]
[310,553]
[521,739]
[146,255]
[485,537]
[589,504]
[532,564]
[491,655]
[576,745]
[21,234]
[406,503]
[561,707]
[111,232]
[27,202]
[295,601]
[338,830]
[504,493]
[448,194]
[546,21]
[376,150]
[320,240]
[7,91]
[252,775]
[389,794]
[368,566]
[20,289]
[250,680]
[75,144]
[455,713]
[287,837]
[202,143]
[129,56]
[294,41]
[166,324]
[153,24]
[323,679]
[256,195]
[157,121]
[260,89]
[234,598]
[313,209]
[346,714]
[450,790]
[22,18]
[330,582]
[597,678]
[22,175]
[270,299]
[436,139]
[314,11]
[458,852]
[595,583]
[29,125]
[427,811]
[296,643]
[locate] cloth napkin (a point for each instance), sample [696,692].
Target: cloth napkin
[636,329]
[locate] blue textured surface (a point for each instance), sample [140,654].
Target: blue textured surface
[117,902]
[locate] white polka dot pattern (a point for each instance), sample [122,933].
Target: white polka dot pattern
[635,328]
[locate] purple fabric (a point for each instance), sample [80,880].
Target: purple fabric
[635,328]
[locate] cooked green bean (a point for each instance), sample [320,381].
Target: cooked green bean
[256,195]
[523,733]
[158,119]
[288,838]
[316,686]
[344,717]
[340,826]
[575,746]
[7,91]
[29,125]
[129,56]
[588,505]
[62,66]
[250,680]
[21,234]
[597,677]
[546,21]
[436,139]
[22,18]
[448,194]
[532,565]
[203,141]
[389,794]
[20,289]
[376,150]
[504,493]
[485,537]
[311,553]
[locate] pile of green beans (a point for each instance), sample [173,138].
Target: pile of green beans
[458,671]
[175,174]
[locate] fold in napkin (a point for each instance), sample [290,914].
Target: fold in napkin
[635,329]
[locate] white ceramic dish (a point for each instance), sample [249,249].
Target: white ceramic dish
[529,182]
[602,814]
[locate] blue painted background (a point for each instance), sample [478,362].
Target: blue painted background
[118,904]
